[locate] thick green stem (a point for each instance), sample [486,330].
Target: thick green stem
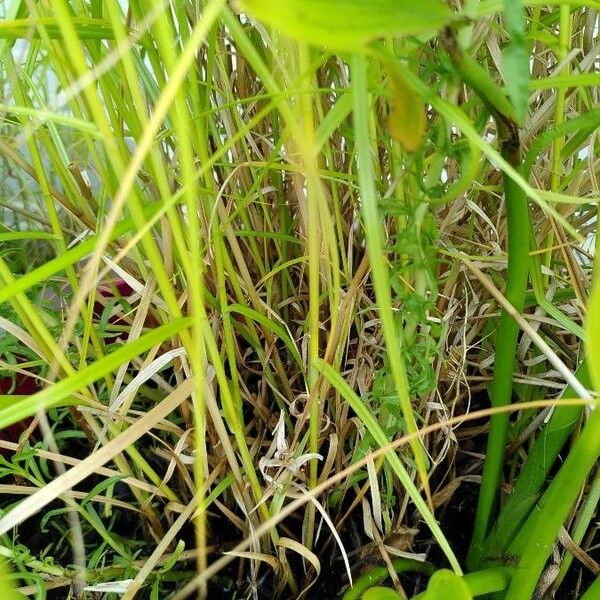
[517,217]
[378,574]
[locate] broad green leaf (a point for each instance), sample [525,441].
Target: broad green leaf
[516,57]
[593,592]
[592,336]
[9,591]
[407,119]
[488,581]
[377,574]
[349,24]
[541,530]
[381,593]
[446,585]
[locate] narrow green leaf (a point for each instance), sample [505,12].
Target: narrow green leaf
[333,119]
[56,393]
[592,336]
[533,476]
[98,489]
[584,123]
[44,115]
[516,57]
[373,427]
[61,262]
[14,236]
[7,401]
[542,527]
[28,28]
[572,80]
[376,249]
[349,24]
[270,324]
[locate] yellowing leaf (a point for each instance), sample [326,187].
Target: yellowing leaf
[407,120]
[349,24]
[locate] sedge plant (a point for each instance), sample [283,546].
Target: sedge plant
[260,261]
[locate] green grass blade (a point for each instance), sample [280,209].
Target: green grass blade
[87,29]
[14,236]
[58,264]
[57,392]
[376,248]
[391,457]
[592,334]
[45,115]
[277,328]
